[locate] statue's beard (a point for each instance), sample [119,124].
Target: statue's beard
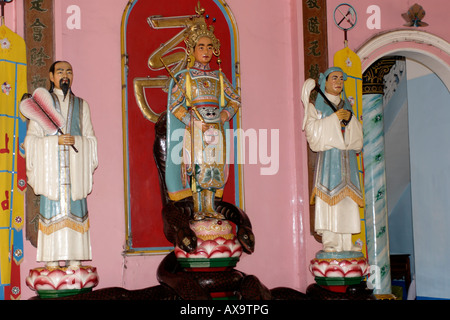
[64,84]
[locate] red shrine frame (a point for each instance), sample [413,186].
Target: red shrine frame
[144,226]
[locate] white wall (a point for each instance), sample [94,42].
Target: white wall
[417,158]
[429,111]
[398,175]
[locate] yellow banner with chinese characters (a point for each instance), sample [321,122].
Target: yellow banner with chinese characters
[13,80]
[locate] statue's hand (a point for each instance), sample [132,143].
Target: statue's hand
[246,238]
[66,140]
[186,240]
[223,116]
[343,114]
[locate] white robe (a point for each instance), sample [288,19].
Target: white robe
[323,134]
[42,166]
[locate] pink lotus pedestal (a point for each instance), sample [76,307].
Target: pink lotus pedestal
[217,245]
[62,281]
[337,270]
[218,249]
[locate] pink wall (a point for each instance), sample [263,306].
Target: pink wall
[276,204]
[272,74]
[390,20]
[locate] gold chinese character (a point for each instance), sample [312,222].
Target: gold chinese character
[313,49]
[37,57]
[312,4]
[37,5]
[37,27]
[313,25]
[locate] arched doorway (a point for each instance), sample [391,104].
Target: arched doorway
[433,53]
[423,47]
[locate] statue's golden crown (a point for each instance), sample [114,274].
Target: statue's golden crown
[198,29]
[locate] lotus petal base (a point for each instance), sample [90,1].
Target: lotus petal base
[53,282]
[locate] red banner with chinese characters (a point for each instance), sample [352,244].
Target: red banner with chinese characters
[39,40]
[316,61]
[315,37]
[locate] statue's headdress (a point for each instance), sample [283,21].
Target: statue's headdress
[320,103]
[323,76]
[199,29]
